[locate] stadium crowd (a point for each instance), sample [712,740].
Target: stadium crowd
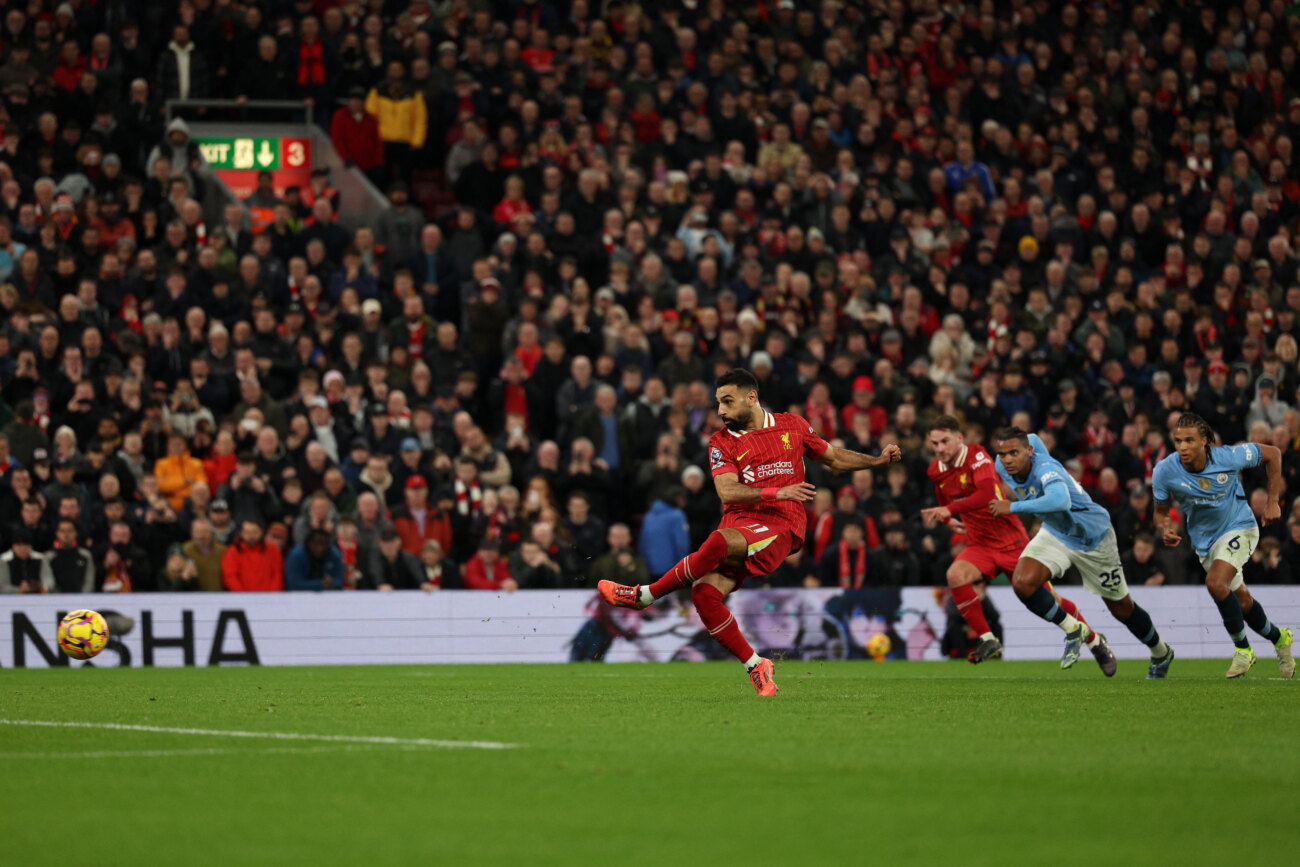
[1076,218]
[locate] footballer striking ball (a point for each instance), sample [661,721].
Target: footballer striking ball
[83,634]
[878,645]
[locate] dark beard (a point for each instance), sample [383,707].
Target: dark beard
[737,424]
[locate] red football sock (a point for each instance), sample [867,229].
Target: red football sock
[970,609]
[1073,610]
[720,621]
[692,567]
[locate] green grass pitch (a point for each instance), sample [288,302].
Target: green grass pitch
[904,763]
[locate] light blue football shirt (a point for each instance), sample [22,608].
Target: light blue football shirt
[1213,499]
[1083,526]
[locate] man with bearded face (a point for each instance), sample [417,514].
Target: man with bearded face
[757,464]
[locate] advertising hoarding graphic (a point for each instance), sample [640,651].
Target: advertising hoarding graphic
[411,627]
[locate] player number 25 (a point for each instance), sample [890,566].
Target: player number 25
[1110,579]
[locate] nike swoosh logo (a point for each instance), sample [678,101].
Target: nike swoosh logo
[741,456]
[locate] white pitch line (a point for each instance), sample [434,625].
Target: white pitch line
[280,736]
[211,751]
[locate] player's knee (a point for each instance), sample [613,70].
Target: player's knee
[961,572]
[1024,583]
[1217,583]
[737,547]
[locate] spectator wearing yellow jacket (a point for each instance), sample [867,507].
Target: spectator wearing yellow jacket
[178,472]
[402,115]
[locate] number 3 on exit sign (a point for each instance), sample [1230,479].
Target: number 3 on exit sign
[295,153]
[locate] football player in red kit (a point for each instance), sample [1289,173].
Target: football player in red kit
[965,481]
[757,464]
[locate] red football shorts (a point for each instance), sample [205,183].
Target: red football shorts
[768,547]
[991,561]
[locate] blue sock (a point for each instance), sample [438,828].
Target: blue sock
[1139,623]
[1257,620]
[1233,620]
[1043,603]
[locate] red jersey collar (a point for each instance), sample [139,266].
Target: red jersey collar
[961,459]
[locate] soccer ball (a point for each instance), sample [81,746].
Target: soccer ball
[83,634]
[878,646]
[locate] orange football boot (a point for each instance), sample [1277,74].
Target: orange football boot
[761,676]
[620,595]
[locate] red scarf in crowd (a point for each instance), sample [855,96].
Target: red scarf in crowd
[469,498]
[118,579]
[822,418]
[516,401]
[852,575]
[350,570]
[529,357]
[311,64]
[1098,437]
[130,314]
[821,535]
[502,528]
[415,339]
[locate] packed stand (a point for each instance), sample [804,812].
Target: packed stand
[1078,220]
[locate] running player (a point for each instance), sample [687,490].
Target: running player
[965,481]
[1206,484]
[757,464]
[1074,531]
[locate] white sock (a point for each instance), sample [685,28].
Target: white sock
[988,636]
[752,661]
[1094,637]
[1160,651]
[644,596]
[1069,624]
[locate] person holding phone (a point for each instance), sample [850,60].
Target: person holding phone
[23,569]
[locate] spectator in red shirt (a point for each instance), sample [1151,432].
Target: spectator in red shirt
[820,412]
[488,570]
[355,133]
[646,119]
[417,522]
[67,74]
[220,462]
[252,563]
[112,224]
[864,394]
[513,204]
[539,55]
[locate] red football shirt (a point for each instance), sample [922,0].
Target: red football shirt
[770,457]
[959,481]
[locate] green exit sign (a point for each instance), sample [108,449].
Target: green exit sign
[257,154]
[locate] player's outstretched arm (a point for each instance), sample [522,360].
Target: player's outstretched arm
[1271,458]
[1167,529]
[843,460]
[731,490]
[1055,498]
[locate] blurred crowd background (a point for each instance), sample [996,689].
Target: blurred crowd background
[1078,218]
